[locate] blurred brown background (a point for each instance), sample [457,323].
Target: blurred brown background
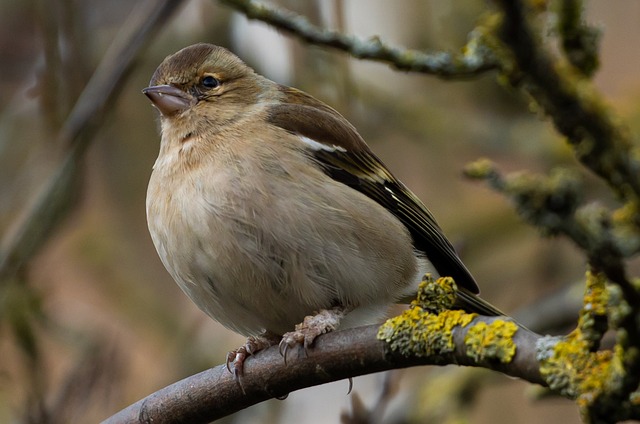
[95,323]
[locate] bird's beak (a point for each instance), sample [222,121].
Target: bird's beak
[168,99]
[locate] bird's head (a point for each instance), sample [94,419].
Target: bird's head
[204,83]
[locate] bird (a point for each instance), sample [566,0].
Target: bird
[274,216]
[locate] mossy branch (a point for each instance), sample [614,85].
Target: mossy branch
[580,42]
[605,381]
[560,88]
[564,94]
[554,204]
[473,59]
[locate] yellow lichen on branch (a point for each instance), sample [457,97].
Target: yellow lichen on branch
[491,341]
[572,365]
[572,370]
[418,332]
[436,296]
[427,327]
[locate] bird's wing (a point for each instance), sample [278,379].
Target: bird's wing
[345,157]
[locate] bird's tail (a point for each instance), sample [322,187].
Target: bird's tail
[470,302]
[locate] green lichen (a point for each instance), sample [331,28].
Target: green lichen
[486,31]
[619,309]
[480,169]
[546,201]
[579,41]
[626,221]
[491,341]
[425,328]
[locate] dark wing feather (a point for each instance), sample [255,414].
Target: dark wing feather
[403,204]
[353,164]
[351,169]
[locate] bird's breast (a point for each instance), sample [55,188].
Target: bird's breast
[259,242]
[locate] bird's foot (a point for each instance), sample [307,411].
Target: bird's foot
[252,346]
[312,326]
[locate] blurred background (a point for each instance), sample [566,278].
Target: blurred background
[93,322]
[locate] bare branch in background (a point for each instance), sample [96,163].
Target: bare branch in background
[475,59]
[576,108]
[604,146]
[89,111]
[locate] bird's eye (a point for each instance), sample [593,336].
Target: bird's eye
[210,82]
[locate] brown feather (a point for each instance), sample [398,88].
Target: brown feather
[356,166]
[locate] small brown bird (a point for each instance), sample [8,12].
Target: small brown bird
[269,210]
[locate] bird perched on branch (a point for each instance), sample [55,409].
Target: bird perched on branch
[273,215]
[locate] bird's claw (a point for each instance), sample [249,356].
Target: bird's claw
[309,329]
[252,346]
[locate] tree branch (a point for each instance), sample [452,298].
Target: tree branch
[552,204]
[214,393]
[576,109]
[475,58]
[579,41]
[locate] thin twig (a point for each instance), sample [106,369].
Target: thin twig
[474,59]
[579,41]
